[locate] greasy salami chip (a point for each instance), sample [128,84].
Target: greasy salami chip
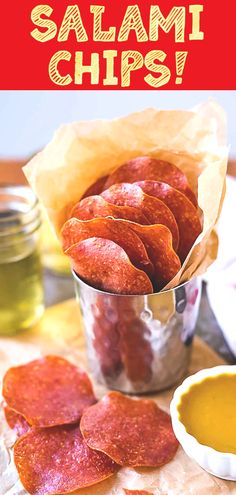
[185,213]
[75,230]
[96,206]
[136,492]
[105,265]
[96,187]
[156,211]
[57,460]
[158,242]
[146,168]
[16,422]
[48,391]
[131,432]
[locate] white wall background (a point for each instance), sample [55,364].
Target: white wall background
[29,118]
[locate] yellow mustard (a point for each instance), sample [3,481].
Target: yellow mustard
[208,412]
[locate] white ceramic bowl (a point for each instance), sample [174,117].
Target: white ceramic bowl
[219,464]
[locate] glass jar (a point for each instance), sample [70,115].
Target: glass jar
[21,289]
[53,258]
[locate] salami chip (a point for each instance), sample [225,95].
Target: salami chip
[136,492]
[16,422]
[105,265]
[48,391]
[155,210]
[95,188]
[96,206]
[146,168]
[186,215]
[75,230]
[158,242]
[131,432]
[57,460]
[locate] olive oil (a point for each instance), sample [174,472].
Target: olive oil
[21,290]
[21,294]
[52,254]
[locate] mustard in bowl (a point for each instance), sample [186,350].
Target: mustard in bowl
[203,412]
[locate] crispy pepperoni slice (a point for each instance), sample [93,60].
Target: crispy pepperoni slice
[16,422]
[105,265]
[186,215]
[131,432]
[96,206]
[48,391]
[57,460]
[96,187]
[146,168]
[158,242]
[156,211]
[75,230]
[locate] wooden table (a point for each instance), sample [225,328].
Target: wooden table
[60,332]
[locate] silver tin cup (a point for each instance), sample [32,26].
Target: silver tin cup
[139,344]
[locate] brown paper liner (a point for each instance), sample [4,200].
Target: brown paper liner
[82,152]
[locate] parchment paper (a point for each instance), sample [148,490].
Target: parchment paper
[82,152]
[60,332]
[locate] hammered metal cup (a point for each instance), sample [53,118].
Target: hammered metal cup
[139,344]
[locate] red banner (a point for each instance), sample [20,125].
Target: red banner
[102,44]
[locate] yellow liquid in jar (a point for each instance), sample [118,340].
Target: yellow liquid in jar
[52,255]
[21,293]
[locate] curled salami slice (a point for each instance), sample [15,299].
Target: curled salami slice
[186,215]
[158,242]
[131,432]
[75,230]
[96,206]
[16,422]
[156,211]
[48,391]
[146,168]
[57,460]
[96,187]
[105,265]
